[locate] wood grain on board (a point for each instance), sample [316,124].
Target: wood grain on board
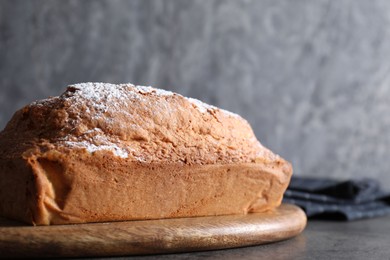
[150,236]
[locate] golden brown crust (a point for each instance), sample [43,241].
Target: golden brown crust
[102,152]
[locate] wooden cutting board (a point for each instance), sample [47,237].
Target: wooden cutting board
[150,236]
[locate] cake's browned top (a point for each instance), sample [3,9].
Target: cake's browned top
[135,123]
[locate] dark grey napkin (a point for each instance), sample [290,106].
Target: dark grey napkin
[342,200]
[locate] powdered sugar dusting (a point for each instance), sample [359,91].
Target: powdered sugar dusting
[156,91]
[102,101]
[203,107]
[100,91]
[91,148]
[94,140]
[229,113]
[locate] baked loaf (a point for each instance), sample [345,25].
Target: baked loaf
[104,152]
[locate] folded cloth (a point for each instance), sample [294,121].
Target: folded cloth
[342,200]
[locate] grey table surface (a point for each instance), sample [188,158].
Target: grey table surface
[363,239]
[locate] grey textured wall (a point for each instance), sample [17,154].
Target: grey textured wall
[312,77]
